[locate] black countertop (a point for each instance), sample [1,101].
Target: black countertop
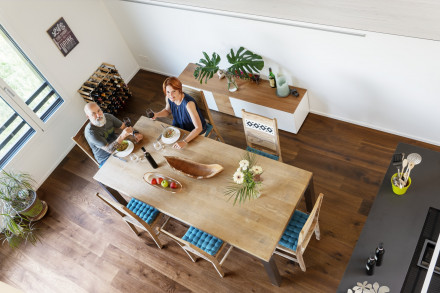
[397,221]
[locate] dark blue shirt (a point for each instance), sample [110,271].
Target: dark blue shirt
[181,117]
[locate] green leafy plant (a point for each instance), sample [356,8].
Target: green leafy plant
[16,194]
[244,64]
[246,180]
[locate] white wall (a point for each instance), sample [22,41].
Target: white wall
[381,81]
[99,41]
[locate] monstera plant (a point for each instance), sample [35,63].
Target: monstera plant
[244,64]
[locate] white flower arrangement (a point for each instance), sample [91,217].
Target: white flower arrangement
[247,180]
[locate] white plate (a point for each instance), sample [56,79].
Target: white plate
[173,138]
[127,151]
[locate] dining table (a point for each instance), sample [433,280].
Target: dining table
[254,226]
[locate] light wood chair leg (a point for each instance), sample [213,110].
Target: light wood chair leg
[300,259]
[218,268]
[317,232]
[132,227]
[194,259]
[156,239]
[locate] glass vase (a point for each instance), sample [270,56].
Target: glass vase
[232,85]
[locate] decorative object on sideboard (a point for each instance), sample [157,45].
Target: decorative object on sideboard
[106,88]
[19,208]
[244,64]
[283,89]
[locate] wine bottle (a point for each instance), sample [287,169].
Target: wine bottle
[379,254]
[370,265]
[150,158]
[272,81]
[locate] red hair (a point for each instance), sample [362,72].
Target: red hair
[173,82]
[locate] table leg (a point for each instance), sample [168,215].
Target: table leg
[310,196]
[114,194]
[272,271]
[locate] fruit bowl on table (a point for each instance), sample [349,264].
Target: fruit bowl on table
[170,135]
[163,182]
[193,169]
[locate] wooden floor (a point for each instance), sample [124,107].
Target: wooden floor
[86,247]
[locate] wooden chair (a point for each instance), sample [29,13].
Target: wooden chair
[261,135]
[80,140]
[298,233]
[203,106]
[137,214]
[201,244]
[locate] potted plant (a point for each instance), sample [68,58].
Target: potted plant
[19,208]
[244,64]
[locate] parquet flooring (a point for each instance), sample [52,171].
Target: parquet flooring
[86,247]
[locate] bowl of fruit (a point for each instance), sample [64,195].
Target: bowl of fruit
[162,182]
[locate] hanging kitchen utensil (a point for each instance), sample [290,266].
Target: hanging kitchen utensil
[410,167]
[404,164]
[414,158]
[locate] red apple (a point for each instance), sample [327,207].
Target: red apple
[154,181]
[173,185]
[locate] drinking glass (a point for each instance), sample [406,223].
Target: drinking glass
[158,145]
[127,122]
[135,158]
[150,113]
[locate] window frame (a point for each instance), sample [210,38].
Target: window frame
[38,125]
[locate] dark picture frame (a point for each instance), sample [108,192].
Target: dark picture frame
[63,36]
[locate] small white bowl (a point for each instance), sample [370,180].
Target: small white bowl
[173,138]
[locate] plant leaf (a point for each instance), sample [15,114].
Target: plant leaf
[209,67]
[245,62]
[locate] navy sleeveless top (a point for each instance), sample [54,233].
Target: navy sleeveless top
[181,117]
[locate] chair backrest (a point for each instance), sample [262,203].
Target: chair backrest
[309,226]
[199,96]
[81,141]
[261,133]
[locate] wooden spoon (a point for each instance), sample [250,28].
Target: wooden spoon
[404,164]
[410,167]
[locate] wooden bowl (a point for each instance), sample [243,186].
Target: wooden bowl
[193,169]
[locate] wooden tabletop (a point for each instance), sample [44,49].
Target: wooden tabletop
[260,94]
[255,226]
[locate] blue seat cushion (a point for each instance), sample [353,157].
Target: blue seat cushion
[261,153]
[203,240]
[144,211]
[291,233]
[208,129]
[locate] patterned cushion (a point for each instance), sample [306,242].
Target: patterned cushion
[291,234]
[208,128]
[261,153]
[203,240]
[144,211]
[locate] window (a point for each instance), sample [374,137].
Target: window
[27,100]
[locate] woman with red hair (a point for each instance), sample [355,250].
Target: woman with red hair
[183,107]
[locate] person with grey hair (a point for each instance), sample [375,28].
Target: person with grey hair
[100,132]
